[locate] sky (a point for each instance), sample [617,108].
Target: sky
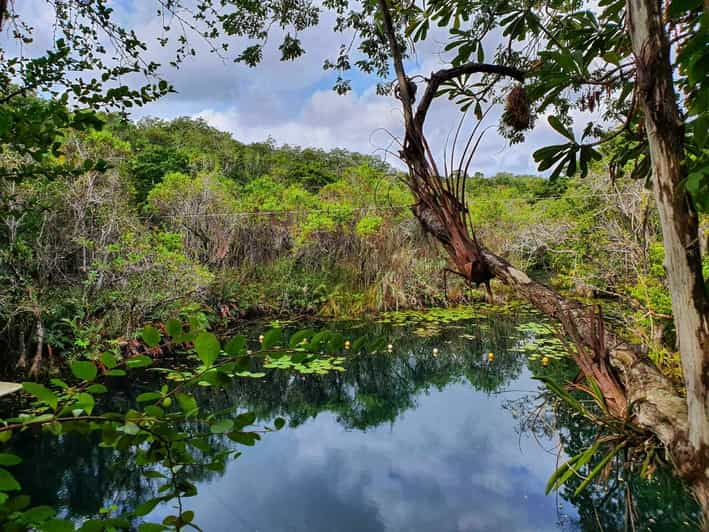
[293,102]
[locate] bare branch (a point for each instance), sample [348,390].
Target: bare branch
[448,74]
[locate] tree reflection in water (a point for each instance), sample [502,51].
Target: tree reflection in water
[76,475]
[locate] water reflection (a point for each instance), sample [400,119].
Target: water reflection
[406,441]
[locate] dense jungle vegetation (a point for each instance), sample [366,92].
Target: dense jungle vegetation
[188,216]
[132,253]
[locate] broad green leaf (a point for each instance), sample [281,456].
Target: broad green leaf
[38,514]
[272,338]
[84,370]
[42,393]
[187,403]
[174,328]
[244,420]
[97,389]
[130,428]
[109,360]
[86,402]
[560,128]
[236,346]
[151,336]
[279,423]
[7,481]
[222,426]
[207,347]
[146,507]
[300,336]
[245,438]
[148,396]
[9,459]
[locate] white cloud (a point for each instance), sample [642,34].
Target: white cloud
[291,102]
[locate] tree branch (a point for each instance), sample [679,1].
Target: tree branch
[442,76]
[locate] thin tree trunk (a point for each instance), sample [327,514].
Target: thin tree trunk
[22,361]
[680,224]
[37,361]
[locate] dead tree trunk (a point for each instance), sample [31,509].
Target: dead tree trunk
[624,376]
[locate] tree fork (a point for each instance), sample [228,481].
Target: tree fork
[623,374]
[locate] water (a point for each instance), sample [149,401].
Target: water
[401,441]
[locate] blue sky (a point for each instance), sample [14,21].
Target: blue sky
[293,103]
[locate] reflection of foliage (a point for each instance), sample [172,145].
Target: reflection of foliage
[626,493]
[376,388]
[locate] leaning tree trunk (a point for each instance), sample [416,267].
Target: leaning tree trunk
[627,379]
[680,224]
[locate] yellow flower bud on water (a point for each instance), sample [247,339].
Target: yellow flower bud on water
[545,361]
[491,357]
[261,339]
[435,351]
[390,348]
[348,344]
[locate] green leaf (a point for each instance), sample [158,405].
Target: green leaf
[58,525]
[187,403]
[598,468]
[7,481]
[207,347]
[130,428]
[220,427]
[86,402]
[109,360]
[151,336]
[84,370]
[148,396]
[146,507]
[9,459]
[299,336]
[42,393]
[272,338]
[701,130]
[571,467]
[141,361]
[279,423]
[174,328]
[97,389]
[236,346]
[560,128]
[245,438]
[244,420]
[38,514]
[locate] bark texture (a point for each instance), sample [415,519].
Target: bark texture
[627,379]
[680,225]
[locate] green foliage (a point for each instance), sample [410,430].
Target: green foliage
[151,164]
[369,225]
[154,430]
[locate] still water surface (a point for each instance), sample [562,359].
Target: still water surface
[401,441]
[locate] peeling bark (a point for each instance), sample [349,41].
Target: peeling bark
[680,224]
[626,378]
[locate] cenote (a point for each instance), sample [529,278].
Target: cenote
[405,439]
